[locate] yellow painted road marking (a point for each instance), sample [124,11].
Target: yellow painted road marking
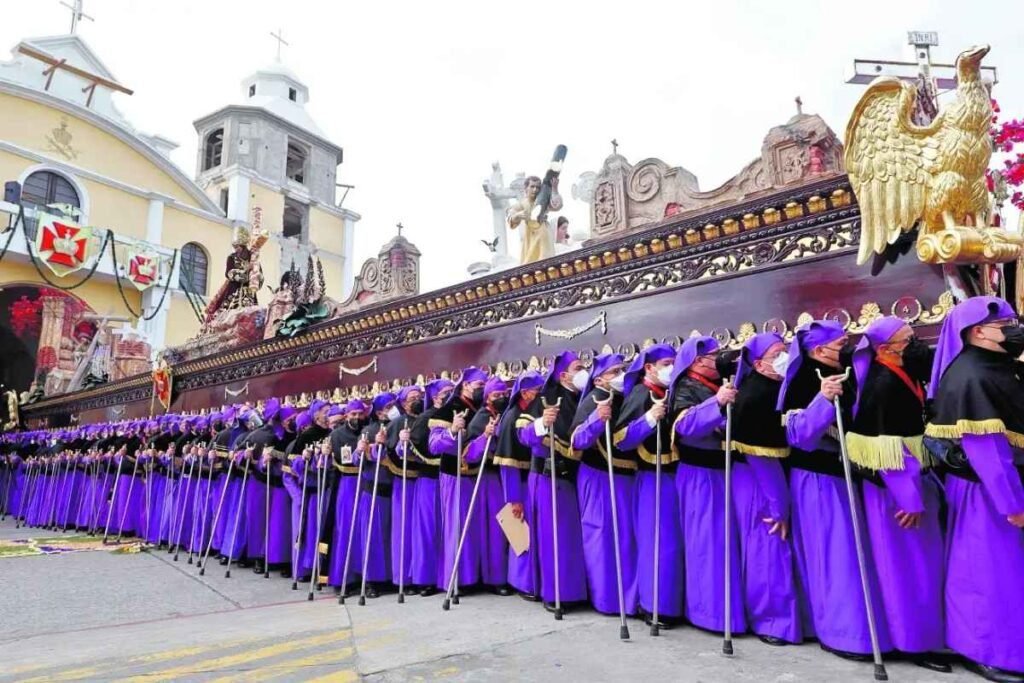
[266,673]
[241,658]
[346,676]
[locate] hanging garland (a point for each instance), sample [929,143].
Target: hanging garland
[33,257]
[120,288]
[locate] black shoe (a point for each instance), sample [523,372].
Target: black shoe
[223,559]
[258,568]
[244,564]
[372,592]
[550,606]
[411,590]
[773,641]
[663,623]
[931,663]
[428,591]
[503,591]
[286,573]
[993,673]
[529,597]
[852,656]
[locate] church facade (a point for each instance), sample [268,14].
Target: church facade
[260,164]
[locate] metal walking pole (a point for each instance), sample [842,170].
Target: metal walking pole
[458,499]
[128,501]
[67,503]
[26,497]
[205,557]
[238,512]
[321,485]
[727,638]
[369,524]
[297,550]
[351,526]
[7,490]
[655,628]
[623,628]
[554,507]
[401,533]
[59,484]
[876,653]
[266,519]
[98,496]
[199,512]
[173,492]
[182,502]
[446,605]
[113,496]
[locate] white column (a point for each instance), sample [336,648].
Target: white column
[156,327]
[238,198]
[348,257]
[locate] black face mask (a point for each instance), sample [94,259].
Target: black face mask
[917,360]
[499,404]
[478,396]
[414,410]
[355,424]
[846,354]
[1013,344]
[725,363]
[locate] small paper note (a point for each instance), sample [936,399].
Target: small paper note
[516,530]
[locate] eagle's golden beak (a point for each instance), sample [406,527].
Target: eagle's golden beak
[975,54]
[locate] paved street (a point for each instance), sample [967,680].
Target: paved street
[102,616]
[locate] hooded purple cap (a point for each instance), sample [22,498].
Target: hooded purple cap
[973,311]
[753,351]
[690,351]
[336,409]
[285,413]
[270,410]
[495,385]
[202,424]
[878,332]
[303,421]
[470,374]
[559,365]
[357,405]
[316,406]
[652,354]
[382,401]
[405,391]
[602,364]
[812,335]
[435,387]
[531,379]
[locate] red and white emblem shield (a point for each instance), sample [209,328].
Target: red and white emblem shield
[62,245]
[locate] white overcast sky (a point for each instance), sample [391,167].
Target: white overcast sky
[424,96]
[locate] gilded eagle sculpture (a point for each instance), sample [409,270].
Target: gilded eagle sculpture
[931,176]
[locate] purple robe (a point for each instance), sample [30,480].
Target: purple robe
[304,521]
[769,578]
[985,557]
[517,487]
[909,561]
[594,493]
[280,533]
[826,557]
[702,497]
[572,573]
[348,488]
[378,560]
[453,518]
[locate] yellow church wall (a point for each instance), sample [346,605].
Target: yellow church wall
[100,294]
[181,228]
[182,323]
[28,124]
[271,205]
[113,209]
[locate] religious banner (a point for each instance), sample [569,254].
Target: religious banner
[162,382]
[61,244]
[143,267]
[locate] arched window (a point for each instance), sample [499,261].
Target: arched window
[194,264]
[213,149]
[43,188]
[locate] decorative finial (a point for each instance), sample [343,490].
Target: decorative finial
[799,106]
[400,228]
[615,146]
[76,15]
[279,37]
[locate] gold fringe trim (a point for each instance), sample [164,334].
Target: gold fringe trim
[763,451]
[618,436]
[435,424]
[433,462]
[667,458]
[511,462]
[975,427]
[884,452]
[672,439]
[524,421]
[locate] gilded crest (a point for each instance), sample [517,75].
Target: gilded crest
[59,141]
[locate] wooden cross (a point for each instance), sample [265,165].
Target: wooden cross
[943,76]
[280,41]
[400,228]
[76,14]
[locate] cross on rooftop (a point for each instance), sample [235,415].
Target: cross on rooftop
[400,228]
[279,37]
[615,146]
[799,105]
[76,14]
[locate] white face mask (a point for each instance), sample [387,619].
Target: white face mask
[665,375]
[579,380]
[618,383]
[781,364]
[394,413]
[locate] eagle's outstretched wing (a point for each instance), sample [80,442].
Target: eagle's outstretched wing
[890,161]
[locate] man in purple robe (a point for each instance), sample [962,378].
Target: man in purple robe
[978,393]
[901,496]
[546,427]
[375,527]
[589,429]
[518,481]
[821,524]
[266,504]
[698,399]
[761,494]
[344,439]
[481,432]
[447,437]
[303,454]
[642,426]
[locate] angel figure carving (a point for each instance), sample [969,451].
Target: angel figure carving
[932,176]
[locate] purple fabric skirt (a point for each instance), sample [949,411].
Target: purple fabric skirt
[598,538]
